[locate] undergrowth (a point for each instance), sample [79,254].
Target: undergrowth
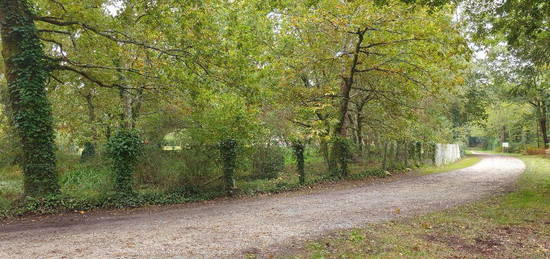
[166,178]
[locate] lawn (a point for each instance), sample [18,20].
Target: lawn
[511,225]
[467,161]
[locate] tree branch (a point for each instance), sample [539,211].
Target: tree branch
[108,35]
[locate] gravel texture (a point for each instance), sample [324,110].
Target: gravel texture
[231,228]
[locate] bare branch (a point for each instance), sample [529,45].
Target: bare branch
[87,76]
[377,44]
[54,31]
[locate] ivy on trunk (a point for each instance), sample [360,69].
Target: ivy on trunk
[27,72]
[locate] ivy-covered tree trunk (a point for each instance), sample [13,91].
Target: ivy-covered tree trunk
[89,151]
[385,157]
[228,151]
[27,72]
[340,157]
[406,158]
[124,149]
[299,153]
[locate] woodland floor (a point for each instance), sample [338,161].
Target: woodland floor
[261,225]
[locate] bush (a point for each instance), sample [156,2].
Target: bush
[124,149]
[535,151]
[376,172]
[192,167]
[268,162]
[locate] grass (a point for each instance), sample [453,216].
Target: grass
[462,163]
[11,185]
[512,225]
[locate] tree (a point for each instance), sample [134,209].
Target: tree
[517,31]
[27,71]
[345,52]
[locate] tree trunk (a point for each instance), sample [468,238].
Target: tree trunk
[359,132]
[385,160]
[228,151]
[543,131]
[345,89]
[299,153]
[537,126]
[368,148]
[90,146]
[340,128]
[27,71]
[542,123]
[406,158]
[126,116]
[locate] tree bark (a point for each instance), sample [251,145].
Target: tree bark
[90,146]
[345,89]
[27,72]
[340,129]
[359,124]
[543,130]
[385,156]
[299,148]
[543,123]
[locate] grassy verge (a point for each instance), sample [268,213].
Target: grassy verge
[513,225]
[462,163]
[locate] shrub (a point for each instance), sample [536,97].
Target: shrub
[193,167]
[267,162]
[375,172]
[535,151]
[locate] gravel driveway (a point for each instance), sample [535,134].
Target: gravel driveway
[229,228]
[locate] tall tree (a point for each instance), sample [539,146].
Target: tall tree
[27,71]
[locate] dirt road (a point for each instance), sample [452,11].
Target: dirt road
[229,228]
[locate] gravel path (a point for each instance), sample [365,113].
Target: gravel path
[229,228]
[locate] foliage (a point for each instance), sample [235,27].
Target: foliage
[87,180]
[344,77]
[124,149]
[535,151]
[267,162]
[376,172]
[192,167]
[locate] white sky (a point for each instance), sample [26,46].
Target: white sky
[113,7]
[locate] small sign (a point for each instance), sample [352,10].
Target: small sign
[505,144]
